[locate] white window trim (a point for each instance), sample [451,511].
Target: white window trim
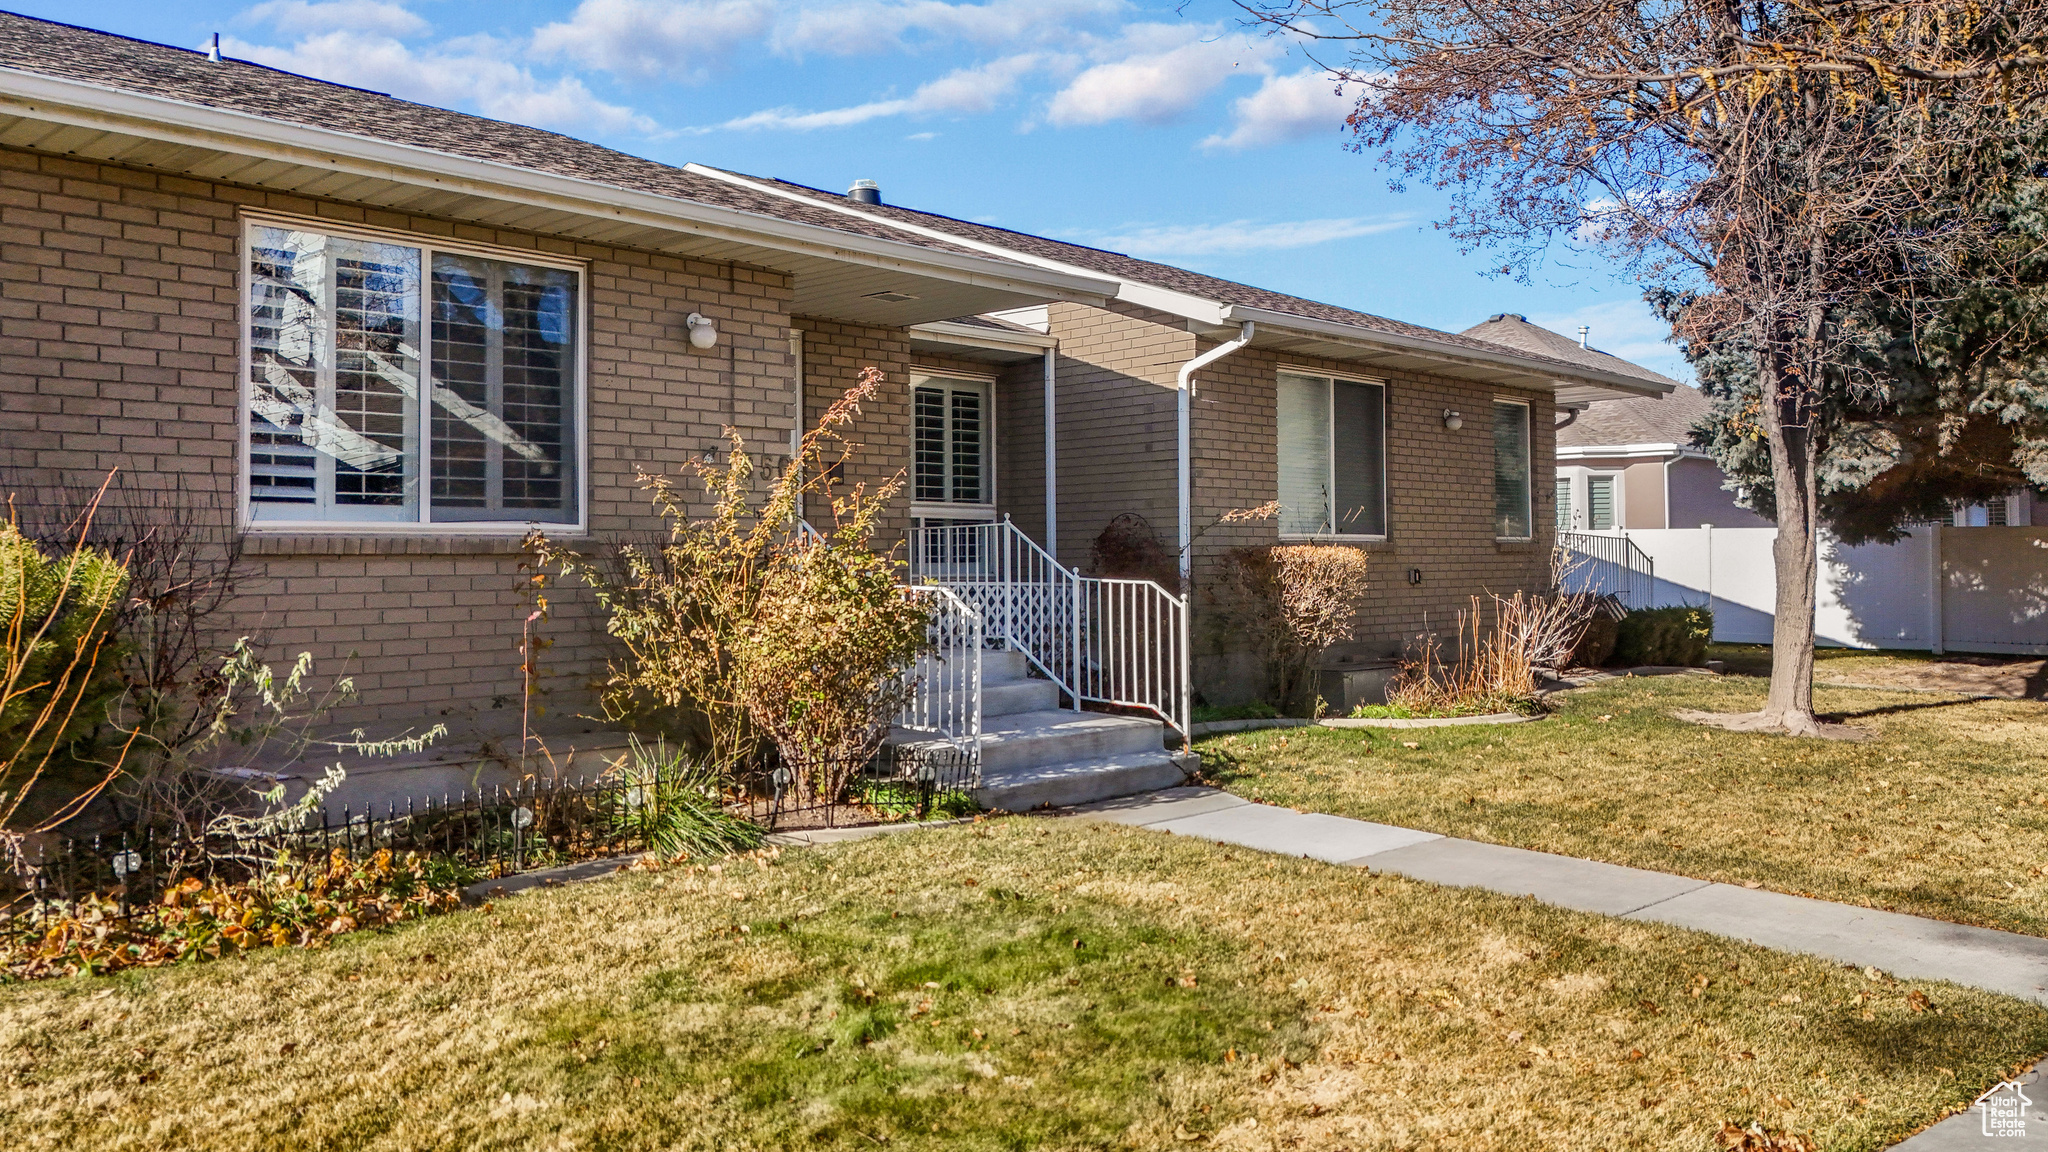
[928,510]
[1386,422]
[1528,489]
[427,526]
[1582,496]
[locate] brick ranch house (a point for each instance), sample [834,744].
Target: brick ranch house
[392,337]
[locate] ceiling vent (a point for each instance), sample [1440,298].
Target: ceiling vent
[889,297]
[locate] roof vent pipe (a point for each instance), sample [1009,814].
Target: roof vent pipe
[865,192]
[213,53]
[1582,335]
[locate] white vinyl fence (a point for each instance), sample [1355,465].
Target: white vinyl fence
[1992,582]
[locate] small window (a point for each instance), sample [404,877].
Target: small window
[1564,503]
[1512,517]
[1600,503]
[1332,456]
[350,425]
[951,462]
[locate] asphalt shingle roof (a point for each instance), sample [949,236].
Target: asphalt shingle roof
[124,64]
[1167,276]
[1512,330]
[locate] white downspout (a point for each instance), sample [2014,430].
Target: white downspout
[1052,483]
[1186,385]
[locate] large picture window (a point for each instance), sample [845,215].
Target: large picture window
[1333,450]
[349,423]
[1513,518]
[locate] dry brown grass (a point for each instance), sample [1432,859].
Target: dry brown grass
[1018,984]
[1944,813]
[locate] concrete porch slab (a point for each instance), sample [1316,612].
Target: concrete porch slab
[1583,885]
[1332,839]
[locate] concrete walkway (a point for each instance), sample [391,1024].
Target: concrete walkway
[1909,946]
[1902,945]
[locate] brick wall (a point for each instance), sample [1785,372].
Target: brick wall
[1439,499]
[834,354]
[119,348]
[1116,416]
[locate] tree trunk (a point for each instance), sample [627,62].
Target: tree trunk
[1795,556]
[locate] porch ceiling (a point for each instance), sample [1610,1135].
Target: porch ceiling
[836,275]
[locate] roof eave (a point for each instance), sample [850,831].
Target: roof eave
[1543,371]
[96,107]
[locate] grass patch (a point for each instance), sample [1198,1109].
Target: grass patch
[1944,814]
[1017,984]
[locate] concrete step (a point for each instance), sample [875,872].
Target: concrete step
[1025,739]
[1013,697]
[1004,666]
[1078,781]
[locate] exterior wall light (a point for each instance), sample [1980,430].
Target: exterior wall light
[1452,420]
[702,333]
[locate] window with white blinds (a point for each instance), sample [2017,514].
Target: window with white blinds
[1513,518]
[1332,456]
[1564,503]
[349,423]
[1599,503]
[951,445]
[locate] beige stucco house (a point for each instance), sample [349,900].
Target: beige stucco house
[386,339]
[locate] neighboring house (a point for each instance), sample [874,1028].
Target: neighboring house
[384,340]
[1626,471]
[1629,463]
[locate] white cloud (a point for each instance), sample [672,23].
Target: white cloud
[865,26]
[965,91]
[1624,328]
[654,38]
[1152,82]
[1287,108]
[301,17]
[1243,235]
[922,136]
[473,71]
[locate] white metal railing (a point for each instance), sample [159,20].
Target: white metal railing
[1611,564]
[945,683]
[1118,642]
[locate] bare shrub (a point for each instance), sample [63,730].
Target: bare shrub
[1502,643]
[1290,603]
[1130,548]
[742,629]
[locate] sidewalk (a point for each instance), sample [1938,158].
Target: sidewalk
[1907,946]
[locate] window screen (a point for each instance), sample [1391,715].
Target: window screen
[1332,455]
[1511,514]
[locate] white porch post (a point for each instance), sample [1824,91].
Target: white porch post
[1052,483]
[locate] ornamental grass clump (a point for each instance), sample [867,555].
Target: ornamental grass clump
[676,807]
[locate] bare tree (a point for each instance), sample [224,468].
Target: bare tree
[1778,162]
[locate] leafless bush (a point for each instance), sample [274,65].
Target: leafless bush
[1291,603]
[1130,548]
[1501,645]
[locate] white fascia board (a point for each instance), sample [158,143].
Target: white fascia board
[1556,371]
[975,336]
[1618,451]
[1182,304]
[113,110]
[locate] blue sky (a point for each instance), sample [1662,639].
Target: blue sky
[1167,131]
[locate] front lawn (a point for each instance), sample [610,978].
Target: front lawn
[1016,984]
[1944,813]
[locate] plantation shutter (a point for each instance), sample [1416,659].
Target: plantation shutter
[950,449]
[1564,503]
